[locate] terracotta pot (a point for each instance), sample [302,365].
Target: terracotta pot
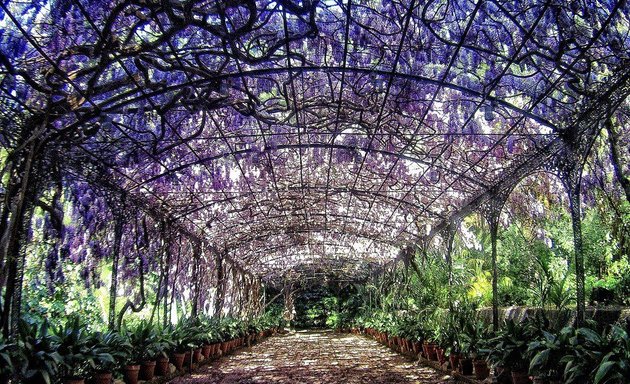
[431,354]
[481,369]
[161,366]
[417,347]
[102,378]
[520,377]
[408,346]
[205,351]
[425,354]
[73,380]
[466,367]
[196,355]
[454,360]
[147,370]
[131,373]
[440,355]
[178,360]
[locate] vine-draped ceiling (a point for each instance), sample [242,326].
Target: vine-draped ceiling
[315,134]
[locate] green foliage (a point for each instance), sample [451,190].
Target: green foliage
[473,339]
[76,348]
[600,358]
[6,359]
[330,307]
[55,301]
[147,342]
[110,343]
[547,353]
[615,365]
[38,358]
[509,348]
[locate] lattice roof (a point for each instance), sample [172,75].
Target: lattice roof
[307,134]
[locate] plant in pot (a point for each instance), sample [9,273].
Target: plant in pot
[145,347]
[469,339]
[597,358]
[163,346]
[39,360]
[441,338]
[452,344]
[192,341]
[179,336]
[546,355]
[614,367]
[509,348]
[76,350]
[110,343]
[208,338]
[6,360]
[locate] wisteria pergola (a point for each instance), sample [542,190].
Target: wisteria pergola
[300,137]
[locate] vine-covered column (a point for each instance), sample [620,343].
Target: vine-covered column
[220,295]
[196,278]
[166,267]
[491,211]
[569,165]
[448,235]
[289,308]
[118,209]
[18,203]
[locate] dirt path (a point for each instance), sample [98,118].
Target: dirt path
[314,357]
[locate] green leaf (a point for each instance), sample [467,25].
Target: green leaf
[539,361]
[604,371]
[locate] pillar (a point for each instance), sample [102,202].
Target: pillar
[492,213]
[569,168]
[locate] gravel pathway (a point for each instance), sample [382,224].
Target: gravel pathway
[314,357]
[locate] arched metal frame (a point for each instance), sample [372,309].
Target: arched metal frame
[248,121]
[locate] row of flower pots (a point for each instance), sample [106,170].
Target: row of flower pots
[73,354]
[430,351]
[161,366]
[520,352]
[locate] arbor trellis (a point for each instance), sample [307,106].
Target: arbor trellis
[275,136]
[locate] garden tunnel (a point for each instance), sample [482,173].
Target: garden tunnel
[198,157]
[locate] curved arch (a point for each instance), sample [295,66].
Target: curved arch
[354,191]
[334,69]
[306,146]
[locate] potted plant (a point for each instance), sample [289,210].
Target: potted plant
[208,338]
[614,367]
[597,358]
[163,346]
[469,341]
[145,347]
[76,350]
[39,357]
[113,344]
[178,335]
[6,361]
[547,353]
[452,345]
[509,348]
